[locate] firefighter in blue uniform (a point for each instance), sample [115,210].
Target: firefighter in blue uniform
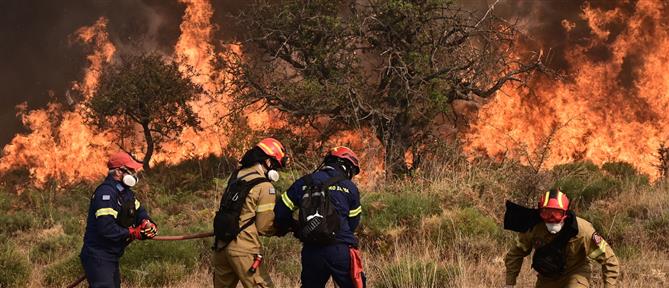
[115,218]
[320,262]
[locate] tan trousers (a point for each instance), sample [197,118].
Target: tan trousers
[232,269]
[569,281]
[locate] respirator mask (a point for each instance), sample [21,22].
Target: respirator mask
[129,178]
[271,173]
[554,228]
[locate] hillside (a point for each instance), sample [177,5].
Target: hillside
[440,227]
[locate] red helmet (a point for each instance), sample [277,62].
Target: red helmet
[345,153]
[553,206]
[275,150]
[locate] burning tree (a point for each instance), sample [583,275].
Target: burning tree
[392,66]
[663,157]
[147,92]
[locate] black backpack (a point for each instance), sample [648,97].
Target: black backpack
[319,219]
[226,221]
[550,260]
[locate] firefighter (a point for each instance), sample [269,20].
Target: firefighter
[115,218]
[320,261]
[563,246]
[253,217]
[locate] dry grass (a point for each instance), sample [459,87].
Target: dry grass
[460,244]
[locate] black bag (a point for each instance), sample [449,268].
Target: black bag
[319,219]
[126,217]
[519,218]
[226,221]
[550,259]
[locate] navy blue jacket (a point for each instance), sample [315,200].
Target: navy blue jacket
[104,237]
[344,195]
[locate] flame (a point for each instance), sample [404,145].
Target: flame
[103,50]
[195,49]
[60,146]
[611,109]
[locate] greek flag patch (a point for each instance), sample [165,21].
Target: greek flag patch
[106,197]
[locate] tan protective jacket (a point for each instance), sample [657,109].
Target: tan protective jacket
[259,204]
[587,245]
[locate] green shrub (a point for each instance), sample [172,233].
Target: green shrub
[624,170]
[140,254]
[384,211]
[63,272]
[468,222]
[19,221]
[53,248]
[15,267]
[583,182]
[415,274]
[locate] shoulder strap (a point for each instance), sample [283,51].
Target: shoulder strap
[253,182]
[309,180]
[332,180]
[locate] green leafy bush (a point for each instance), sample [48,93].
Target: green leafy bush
[15,267]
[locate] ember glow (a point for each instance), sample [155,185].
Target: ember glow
[613,107]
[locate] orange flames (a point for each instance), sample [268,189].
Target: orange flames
[60,146]
[607,110]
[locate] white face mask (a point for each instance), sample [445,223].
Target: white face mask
[272,175]
[554,228]
[130,180]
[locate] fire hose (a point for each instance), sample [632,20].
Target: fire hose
[157,238]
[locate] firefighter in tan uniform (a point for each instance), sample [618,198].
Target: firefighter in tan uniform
[564,246]
[235,255]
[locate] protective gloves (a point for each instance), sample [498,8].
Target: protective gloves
[145,230]
[150,229]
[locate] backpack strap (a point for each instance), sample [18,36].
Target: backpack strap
[249,185]
[234,180]
[332,180]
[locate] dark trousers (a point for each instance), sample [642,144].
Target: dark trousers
[321,262]
[101,273]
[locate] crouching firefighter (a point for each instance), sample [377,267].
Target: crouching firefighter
[246,213]
[329,212]
[115,218]
[563,245]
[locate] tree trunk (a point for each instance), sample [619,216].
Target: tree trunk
[396,138]
[149,146]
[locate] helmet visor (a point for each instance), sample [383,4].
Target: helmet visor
[551,215]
